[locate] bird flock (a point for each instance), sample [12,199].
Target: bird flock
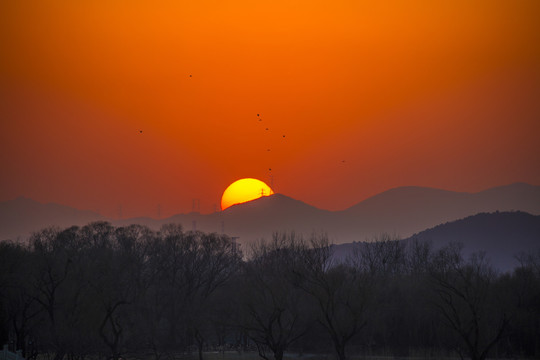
[267,131]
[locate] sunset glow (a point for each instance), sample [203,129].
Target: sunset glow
[147,105]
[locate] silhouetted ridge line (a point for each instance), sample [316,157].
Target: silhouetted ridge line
[403,211]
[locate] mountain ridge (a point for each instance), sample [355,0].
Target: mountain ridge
[22,216]
[501,235]
[403,210]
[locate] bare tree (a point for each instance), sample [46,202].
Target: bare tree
[274,315]
[339,291]
[187,268]
[118,278]
[522,286]
[418,257]
[465,298]
[216,260]
[384,255]
[17,300]
[530,260]
[56,288]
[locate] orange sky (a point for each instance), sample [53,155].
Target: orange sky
[370,95]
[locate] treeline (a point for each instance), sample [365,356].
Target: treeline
[112,292]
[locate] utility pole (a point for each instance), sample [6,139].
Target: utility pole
[196,205]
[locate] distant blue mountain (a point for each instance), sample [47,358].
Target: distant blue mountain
[402,211]
[502,235]
[408,210]
[22,216]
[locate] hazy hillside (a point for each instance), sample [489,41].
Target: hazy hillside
[518,196]
[22,216]
[402,211]
[407,210]
[503,235]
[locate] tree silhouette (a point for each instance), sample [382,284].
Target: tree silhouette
[340,292]
[274,316]
[104,291]
[465,299]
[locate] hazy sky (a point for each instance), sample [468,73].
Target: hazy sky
[370,95]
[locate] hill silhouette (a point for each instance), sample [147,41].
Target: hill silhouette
[251,220]
[502,235]
[403,211]
[21,216]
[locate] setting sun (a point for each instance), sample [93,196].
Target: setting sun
[244,190]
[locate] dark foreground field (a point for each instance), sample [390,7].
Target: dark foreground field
[111,293]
